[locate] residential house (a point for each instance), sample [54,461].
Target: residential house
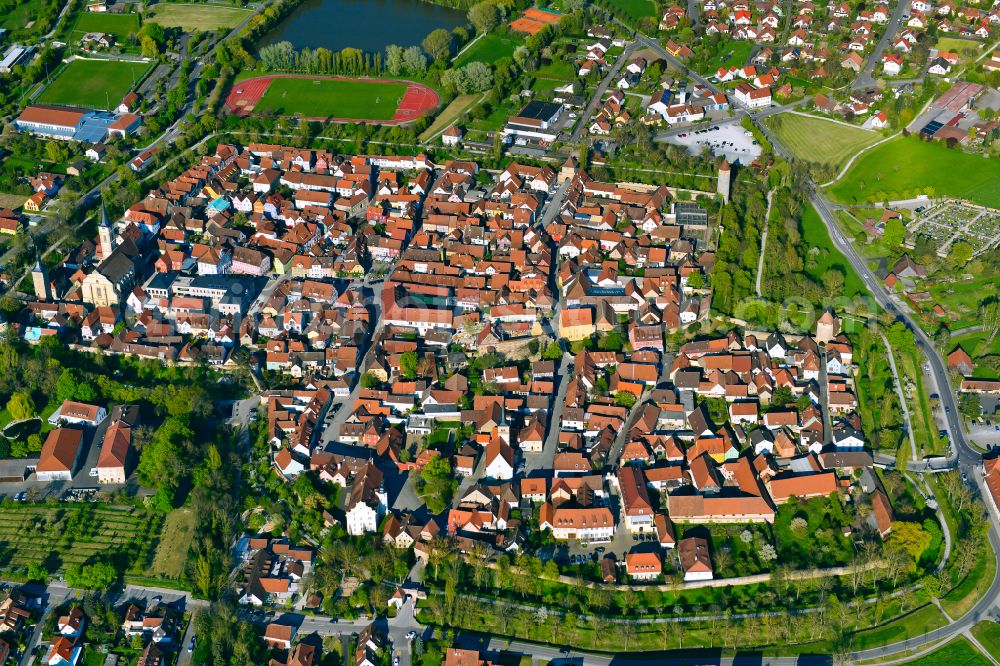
[695,559]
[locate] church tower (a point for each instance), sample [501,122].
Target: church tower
[106,233]
[40,279]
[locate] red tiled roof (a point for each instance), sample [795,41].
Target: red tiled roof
[52,115]
[114,449]
[59,451]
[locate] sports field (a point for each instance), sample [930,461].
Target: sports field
[94,84]
[190,17]
[489,49]
[119,25]
[57,536]
[337,99]
[907,166]
[819,140]
[329,98]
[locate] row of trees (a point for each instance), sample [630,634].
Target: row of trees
[282,56]
[741,224]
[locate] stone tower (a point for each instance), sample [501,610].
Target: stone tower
[106,233]
[40,279]
[827,328]
[722,189]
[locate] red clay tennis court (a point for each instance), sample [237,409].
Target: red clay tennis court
[414,103]
[533,20]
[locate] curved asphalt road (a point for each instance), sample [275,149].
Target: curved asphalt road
[967,458]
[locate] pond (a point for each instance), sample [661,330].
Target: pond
[21,429]
[368,25]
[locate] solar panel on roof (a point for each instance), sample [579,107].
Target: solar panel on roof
[931,128]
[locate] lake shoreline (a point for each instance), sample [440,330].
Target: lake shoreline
[366,25]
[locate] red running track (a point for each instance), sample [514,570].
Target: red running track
[417,100]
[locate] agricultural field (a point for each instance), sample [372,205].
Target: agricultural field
[489,49]
[635,9]
[59,535]
[191,17]
[321,98]
[449,115]
[11,200]
[94,84]
[906,166]
[119,25]
[178,530]
[819,140]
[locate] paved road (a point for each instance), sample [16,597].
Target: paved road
[738,114]
[55,26]
[341,408]
[58,592]
[543,460]
[54,599]
[654,44]
[865,78]
[397,628]
[968,458]
[585,117]
[694,12]
[568,656]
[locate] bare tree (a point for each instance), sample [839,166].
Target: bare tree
[627,632]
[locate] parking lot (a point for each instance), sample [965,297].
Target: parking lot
[731,141]
[623,541]
[985,435]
